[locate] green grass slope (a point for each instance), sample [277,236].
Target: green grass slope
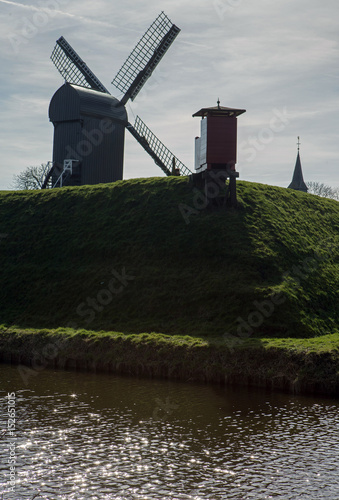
[142,256]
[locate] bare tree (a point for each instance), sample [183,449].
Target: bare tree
[323,190]
[31,177]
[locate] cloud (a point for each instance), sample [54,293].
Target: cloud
[49,9]
[21,5]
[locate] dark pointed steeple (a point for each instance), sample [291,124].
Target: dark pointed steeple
[298,180]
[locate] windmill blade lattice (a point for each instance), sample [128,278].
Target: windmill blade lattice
[162,156]
[142,61]
[72,68]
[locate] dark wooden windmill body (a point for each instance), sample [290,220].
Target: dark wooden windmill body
[89,130]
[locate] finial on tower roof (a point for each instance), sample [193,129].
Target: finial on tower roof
[298,143]
[218,102]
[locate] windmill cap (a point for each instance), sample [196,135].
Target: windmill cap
[219,111]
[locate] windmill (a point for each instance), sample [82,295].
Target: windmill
[89,123]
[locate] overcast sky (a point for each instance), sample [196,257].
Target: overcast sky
[278,59]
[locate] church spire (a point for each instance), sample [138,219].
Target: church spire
[298,180]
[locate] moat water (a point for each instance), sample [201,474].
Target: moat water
[96,436]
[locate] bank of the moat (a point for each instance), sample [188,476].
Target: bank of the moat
[299,366]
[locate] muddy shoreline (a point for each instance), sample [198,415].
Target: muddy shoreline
[158,356]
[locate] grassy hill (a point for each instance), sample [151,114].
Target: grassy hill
[142,256]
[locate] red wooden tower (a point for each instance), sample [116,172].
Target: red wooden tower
[216,148]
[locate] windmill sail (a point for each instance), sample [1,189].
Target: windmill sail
[161,155]
[142,61]
[72,68]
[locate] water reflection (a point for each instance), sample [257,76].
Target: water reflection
[87,436]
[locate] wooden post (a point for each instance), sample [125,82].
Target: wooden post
[233,191]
